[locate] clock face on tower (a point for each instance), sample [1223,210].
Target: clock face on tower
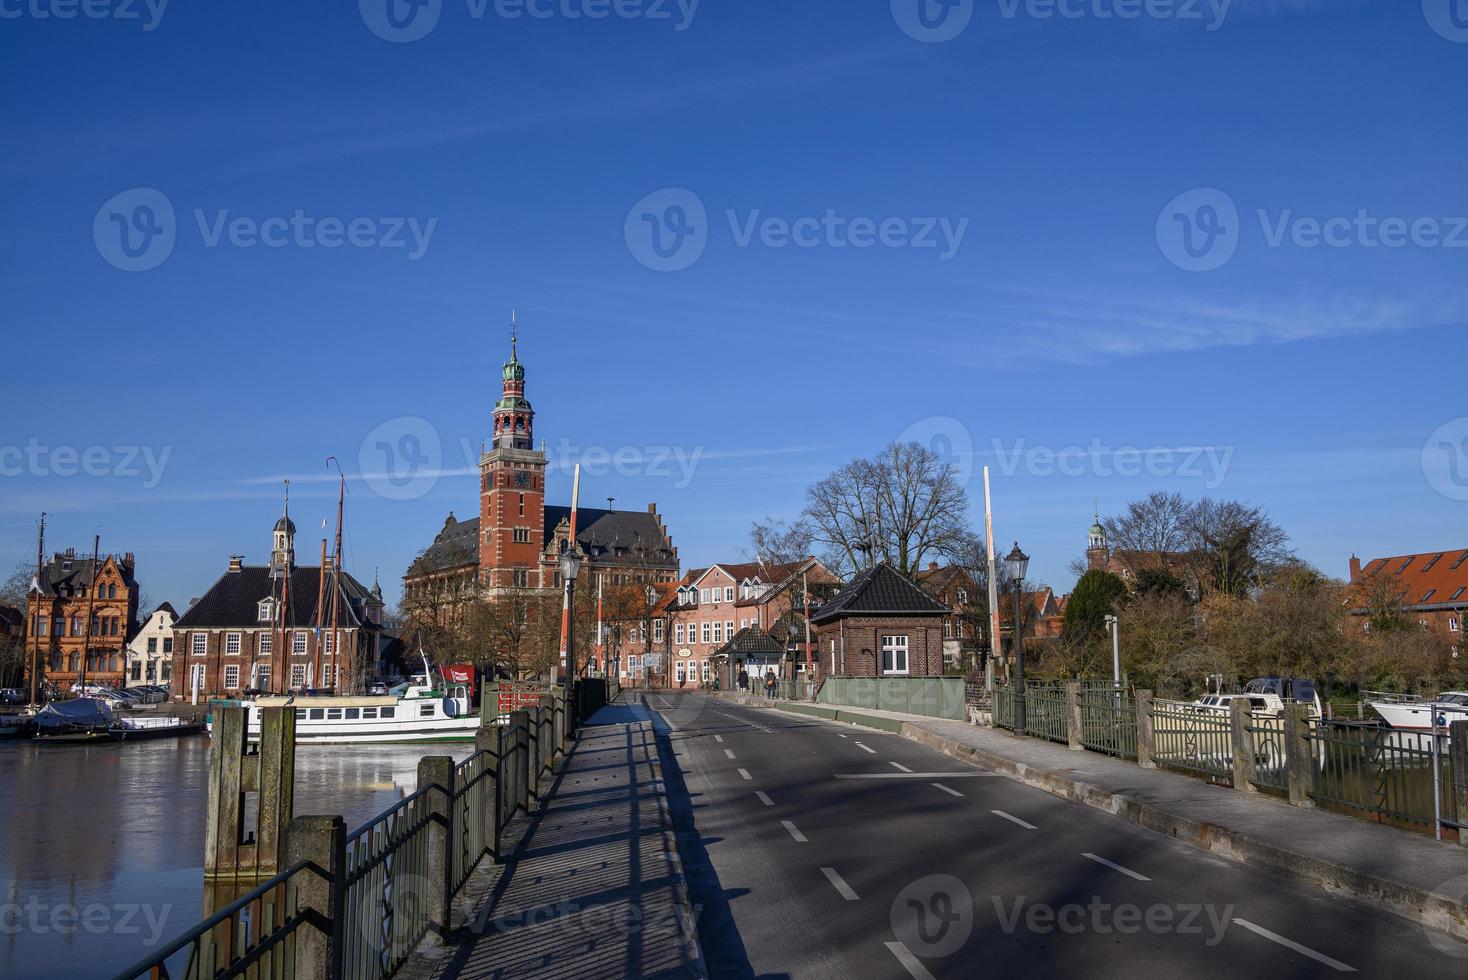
[522,479]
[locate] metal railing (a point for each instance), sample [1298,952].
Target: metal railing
[1192,739]
[1047,712]
[1385,773]
[385,882]
[1267,736]
[252,937]
[473,800]
[1004,708]
[1109,721]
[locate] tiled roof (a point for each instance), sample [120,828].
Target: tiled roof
[457,545]
[750,640]
[880,590]
[1421,582]
[74,572]
[601,533]
[234,600]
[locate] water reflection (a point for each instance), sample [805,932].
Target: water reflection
[101,856]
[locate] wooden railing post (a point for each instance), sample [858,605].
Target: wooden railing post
[519,753]
[1073,720]
[322,841]
[1242,740]
[436,774]
[1299,764]
[1146,737]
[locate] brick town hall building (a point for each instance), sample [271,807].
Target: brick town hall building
[516,542]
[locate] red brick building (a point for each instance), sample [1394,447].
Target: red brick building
[1430,588]
[69,593]
[881,625]
[271,628]
[517,540]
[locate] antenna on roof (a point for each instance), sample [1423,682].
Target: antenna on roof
[514,331]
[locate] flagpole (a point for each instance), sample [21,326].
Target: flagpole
[36,593]
[993,579]
[566,585]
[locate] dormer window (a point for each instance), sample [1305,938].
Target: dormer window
[265,610]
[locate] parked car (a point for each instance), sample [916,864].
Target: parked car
[90,690]
[146,695]
[377,688]
[12,695]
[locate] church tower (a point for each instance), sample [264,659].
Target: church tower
[1097,553]
[283,546]
[512,489]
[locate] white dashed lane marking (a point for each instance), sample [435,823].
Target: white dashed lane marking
[744,774]
[729,753]
[1302,950]
[898,765]
[948,789]
[794,831]
[838,883]
[911,963]
[868,748]
[1013,819]
[1114,866]
[764,797]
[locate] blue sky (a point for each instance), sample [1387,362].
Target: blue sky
[1073,161]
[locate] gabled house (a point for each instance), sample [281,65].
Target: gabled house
[1430,589]
[69,595]
[881,625]
[150,654]
[278,628]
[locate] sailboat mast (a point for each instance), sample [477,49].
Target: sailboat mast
[36,630]
[91,603]
[336,585]
[320,615]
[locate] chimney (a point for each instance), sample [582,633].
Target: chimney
[932,566]
[1355,568]
[127,559]
[652,509]
[236,563]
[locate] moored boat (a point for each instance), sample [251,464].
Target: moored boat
[1410,713]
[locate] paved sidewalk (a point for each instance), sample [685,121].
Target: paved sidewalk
[592,886]
[1406,873]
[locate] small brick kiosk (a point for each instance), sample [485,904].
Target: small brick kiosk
[881,625]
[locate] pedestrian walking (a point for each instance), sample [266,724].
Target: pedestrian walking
[770,683]
[743,679]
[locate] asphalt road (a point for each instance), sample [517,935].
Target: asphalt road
[816,849]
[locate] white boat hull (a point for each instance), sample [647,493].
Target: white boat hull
[1417,716]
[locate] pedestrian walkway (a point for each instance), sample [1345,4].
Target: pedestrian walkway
[591,885]
[1406,873]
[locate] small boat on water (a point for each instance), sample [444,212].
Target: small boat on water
[1411,713]
[1266,697]
[417,711]
[92,720]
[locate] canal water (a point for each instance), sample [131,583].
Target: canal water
[101,846]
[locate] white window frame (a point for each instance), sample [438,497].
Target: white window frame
[1454,626]
[326,644]
[266,644]
[729,593]
[298,642]
[298,675]
[262,676]
[704,670]
[729,629]
[895,645]
[265,610]
[232,671]
[678,633]
[199,644]
[657,631]
[231,644]
[703,595]
[706,631]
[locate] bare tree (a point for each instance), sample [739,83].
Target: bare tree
[1158,524]
[776,542]
[902,506]
[1237,544]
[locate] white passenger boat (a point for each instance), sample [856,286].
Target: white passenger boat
[413,712]
[1266,697]
[1409,713]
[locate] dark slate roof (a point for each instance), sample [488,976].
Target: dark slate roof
[166,607]
[750,640]
[457,545]
[637,531]
[55,575]
[880,590]
[234,600]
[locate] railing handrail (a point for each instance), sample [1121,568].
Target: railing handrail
[147,963]
[356,834]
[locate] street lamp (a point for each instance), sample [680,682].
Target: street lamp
[570,568]
[1114,624]
[1017,564]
